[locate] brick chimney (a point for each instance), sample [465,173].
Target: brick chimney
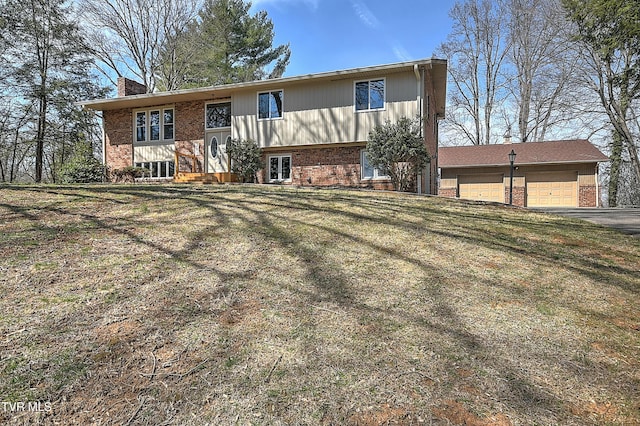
[128,87]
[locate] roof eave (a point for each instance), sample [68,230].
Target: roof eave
[212,92]
[537,163]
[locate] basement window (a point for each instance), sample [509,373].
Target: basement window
[158,169]
[367,170]
[280,168]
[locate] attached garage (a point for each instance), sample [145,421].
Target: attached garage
[559,189]
[484,187]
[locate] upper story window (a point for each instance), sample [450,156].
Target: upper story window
[270,104]
[154,125]
[370,95]
[218,115]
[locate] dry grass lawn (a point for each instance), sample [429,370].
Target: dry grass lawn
[154,304]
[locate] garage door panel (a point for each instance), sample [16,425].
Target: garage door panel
[481,187]
[552,189]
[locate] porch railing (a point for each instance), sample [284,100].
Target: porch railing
[187,163]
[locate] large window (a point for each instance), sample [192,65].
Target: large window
[369,95]
[367,171]
[154,125]
[270,104]
[158,169]
[279,168]
[218,115]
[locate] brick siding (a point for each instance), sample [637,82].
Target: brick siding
[189,118]
[448,192]
[519,195]
[587,196]
[118,129]
[329,166]
[128,87]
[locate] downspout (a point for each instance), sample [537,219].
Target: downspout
[597,187]
[104,146]
[418,71]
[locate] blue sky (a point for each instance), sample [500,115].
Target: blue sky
[328,35]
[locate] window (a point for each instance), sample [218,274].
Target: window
[218,115]
[154,125]
[168,123]
[367,170]
[270,105]
[370,95]
[214,147]
[279,168]
[141,126]
[158,169]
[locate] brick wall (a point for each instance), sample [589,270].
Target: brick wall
[189,118]
[587,196]
[448,192]
[331,166]
[128,87]
[519,195]
[118,129]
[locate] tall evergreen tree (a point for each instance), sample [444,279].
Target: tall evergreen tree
[226,45]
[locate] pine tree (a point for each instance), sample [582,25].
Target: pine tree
[227,45]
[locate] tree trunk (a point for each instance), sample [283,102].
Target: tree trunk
[614,173]
[40,132]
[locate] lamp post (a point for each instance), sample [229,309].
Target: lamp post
[512,159]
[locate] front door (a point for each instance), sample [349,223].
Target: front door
[216,145]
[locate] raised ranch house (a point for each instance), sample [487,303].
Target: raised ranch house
[546,174]
[312,129]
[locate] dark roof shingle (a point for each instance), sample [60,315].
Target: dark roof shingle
[552,152]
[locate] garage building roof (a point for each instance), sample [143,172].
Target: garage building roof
[552,152]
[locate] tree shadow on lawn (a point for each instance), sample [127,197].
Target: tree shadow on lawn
[334,287]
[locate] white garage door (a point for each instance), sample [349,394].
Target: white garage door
[559,189]
[481,187]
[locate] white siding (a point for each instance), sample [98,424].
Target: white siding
[322,113]
[155,152]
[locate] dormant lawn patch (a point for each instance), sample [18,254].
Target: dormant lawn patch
[265,305]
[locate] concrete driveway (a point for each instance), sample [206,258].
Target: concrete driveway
[626,220]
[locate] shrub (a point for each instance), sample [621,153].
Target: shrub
[246,158]
[83,167]
[398,149]
[128,174]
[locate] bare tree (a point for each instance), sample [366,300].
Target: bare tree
[477,50]
[15,136]
[543,66]
[608,33]
[127,36]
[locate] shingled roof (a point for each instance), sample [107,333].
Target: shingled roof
[552,152]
